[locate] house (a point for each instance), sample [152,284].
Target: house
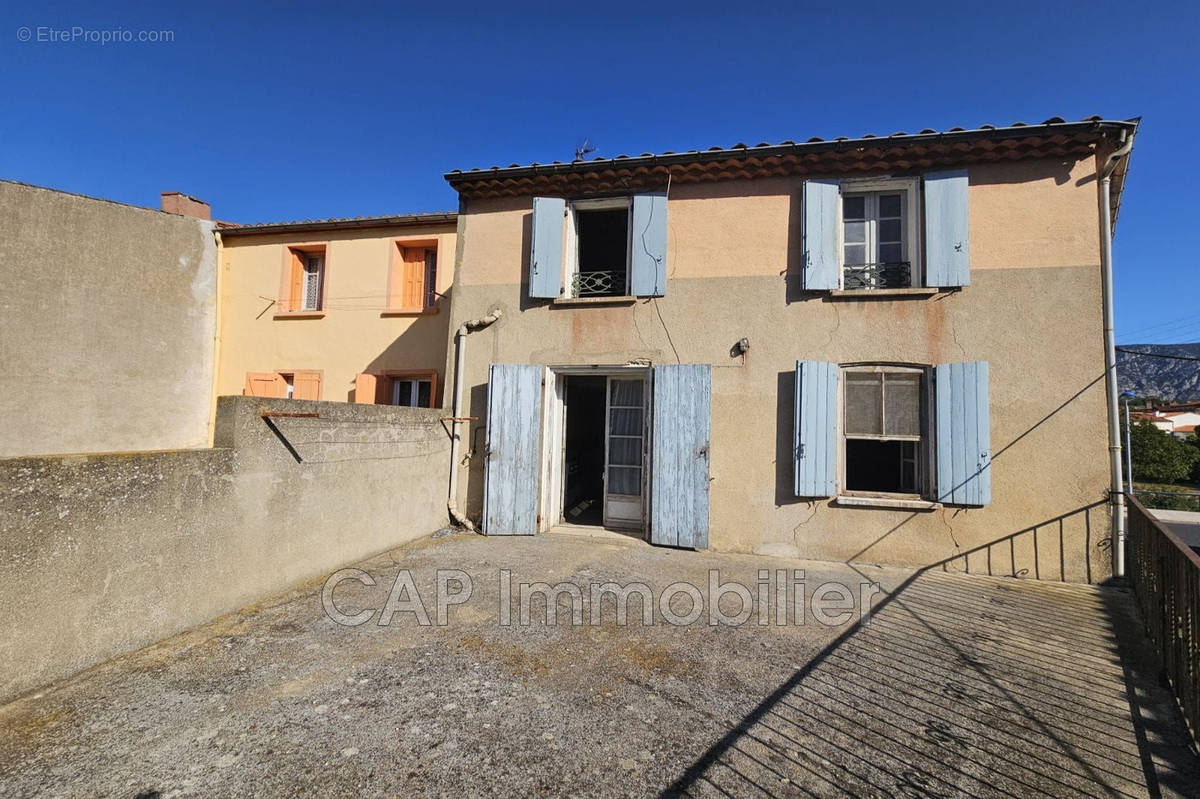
[878,349]
[1178,420]
[349,310]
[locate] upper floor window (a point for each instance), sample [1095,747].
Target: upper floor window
[598,251]
[614,247]
[412,277]
[314,269]
[879,235]
[302,284]
[886,234]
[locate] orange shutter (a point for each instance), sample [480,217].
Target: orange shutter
[306,386]
[296,292]
[364,389]
[413,280]
[265,384]
[289,281]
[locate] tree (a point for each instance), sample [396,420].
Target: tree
[1158,457]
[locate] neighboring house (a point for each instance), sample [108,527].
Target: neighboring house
[880,349]
[342,309]
[1179,421]
[108,325]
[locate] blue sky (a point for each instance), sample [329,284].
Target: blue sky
[295,110]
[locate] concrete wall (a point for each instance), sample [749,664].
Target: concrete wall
[102,554]
[108,325]
[1033,311]
[355,335]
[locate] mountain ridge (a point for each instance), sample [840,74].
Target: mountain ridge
[1162,378]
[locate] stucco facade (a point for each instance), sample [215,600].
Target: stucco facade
[108,325]
[357,329]
[1032,312]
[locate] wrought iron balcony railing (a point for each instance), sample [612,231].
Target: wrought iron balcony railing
[599,284]
[877,276]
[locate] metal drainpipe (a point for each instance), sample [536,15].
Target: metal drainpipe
[460,357]
[1117,485]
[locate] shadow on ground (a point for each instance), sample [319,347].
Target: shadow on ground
[958,685]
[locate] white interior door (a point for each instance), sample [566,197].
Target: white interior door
[624,452]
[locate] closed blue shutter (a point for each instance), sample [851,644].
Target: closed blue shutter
[546,247]
[815,453]
[947,251]
[648,246]
[964,458]
[679,455]
[510,492]
[820,235]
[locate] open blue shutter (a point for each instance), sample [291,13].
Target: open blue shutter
[964,458]
[816,429]
[820,235]
[510,490]
[947,251]
[679,455]
[546,247]
[648,246]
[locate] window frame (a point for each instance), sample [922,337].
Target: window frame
[414,375]
[913,246]
[290,303]
[571,244]
[925,472]
[395,277]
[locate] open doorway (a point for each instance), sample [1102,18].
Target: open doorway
[593,449]
[583,450]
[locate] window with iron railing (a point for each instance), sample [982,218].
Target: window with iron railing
[876,240]
[598,264]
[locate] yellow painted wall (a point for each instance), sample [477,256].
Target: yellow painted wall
[354,336]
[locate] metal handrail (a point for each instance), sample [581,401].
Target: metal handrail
[1165,575]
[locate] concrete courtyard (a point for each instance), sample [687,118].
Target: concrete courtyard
[956,686]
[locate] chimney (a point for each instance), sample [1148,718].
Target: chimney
[175,202]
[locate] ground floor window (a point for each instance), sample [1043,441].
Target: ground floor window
[883,430]
[412,392]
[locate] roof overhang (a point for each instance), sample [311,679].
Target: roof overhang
[320,225]
[898,153]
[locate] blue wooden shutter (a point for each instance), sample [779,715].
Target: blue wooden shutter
[820,235]
[964,474]
[546,247]
[510,494]
[648,246]
[679,455]
[815,445]
[947,251]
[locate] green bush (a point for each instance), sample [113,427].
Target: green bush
[1158,457]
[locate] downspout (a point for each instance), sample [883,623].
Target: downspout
[460,357]
[1117,486]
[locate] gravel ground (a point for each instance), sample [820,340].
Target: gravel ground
[956,686]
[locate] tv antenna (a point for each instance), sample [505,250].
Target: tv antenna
[584,149]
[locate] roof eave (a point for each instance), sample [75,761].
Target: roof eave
[420,220]
[458,177]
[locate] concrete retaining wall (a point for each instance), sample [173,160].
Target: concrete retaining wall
[108,325]
[102,554]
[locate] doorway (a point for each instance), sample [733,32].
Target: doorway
[583,449]
[596,449]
